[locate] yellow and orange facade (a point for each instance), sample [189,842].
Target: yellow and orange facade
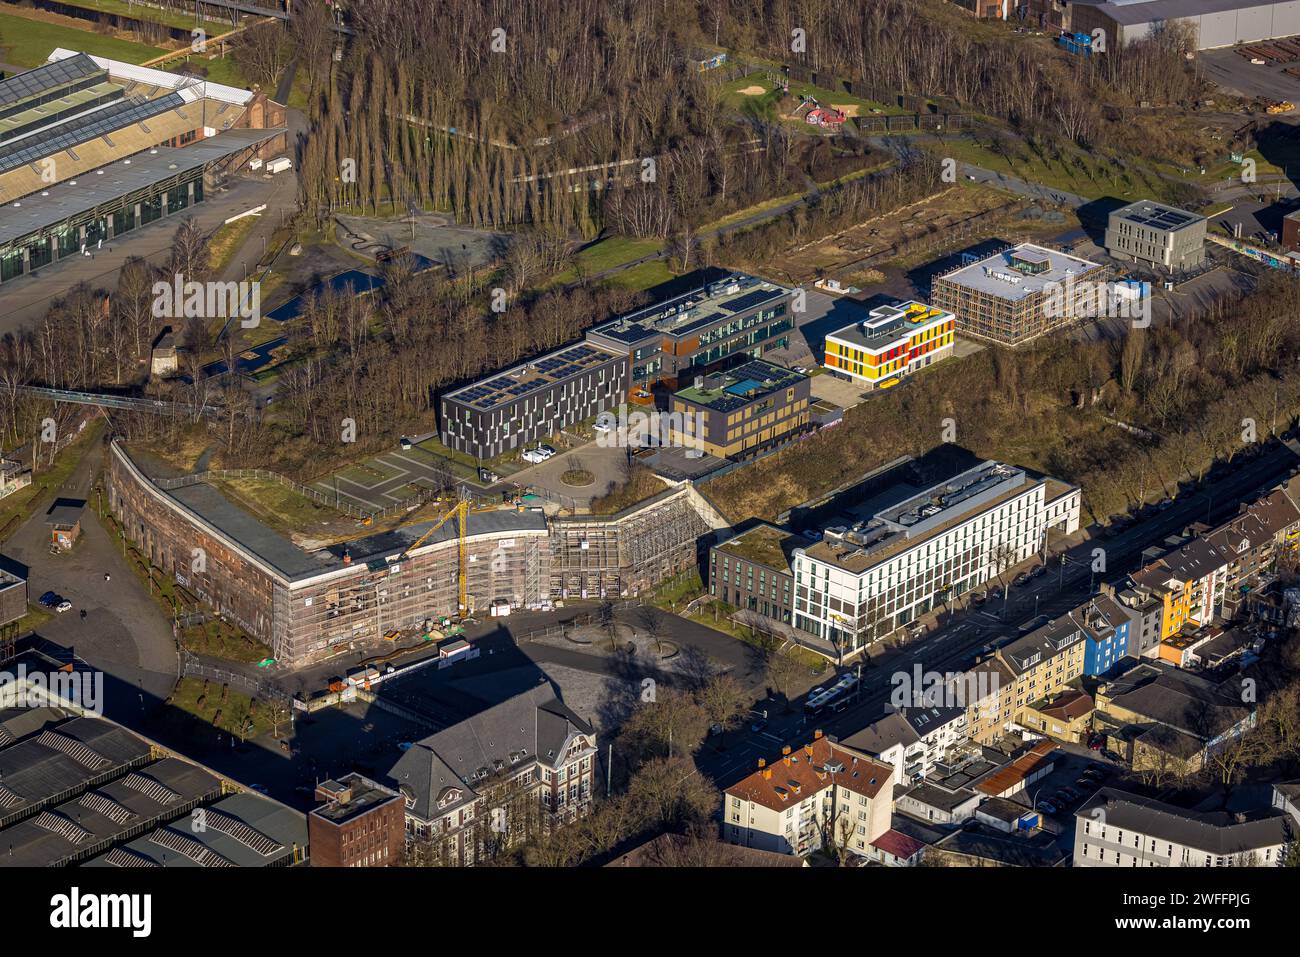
[893,342]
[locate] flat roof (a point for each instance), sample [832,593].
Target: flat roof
[765,544]
[920,517]
[887,325]
[1153,215]
[1133,12]
[1012,275]
[693,310]
[738,387]
[48,76]
[529,377]
[65,200]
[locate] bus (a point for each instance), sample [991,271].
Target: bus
[833,698]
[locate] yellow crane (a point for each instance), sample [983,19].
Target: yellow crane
[460,512]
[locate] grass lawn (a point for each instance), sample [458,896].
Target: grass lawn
[226,241]
[279,506]
[22,504]
[28,42]
[219,705]
[641,277]
[605,254]
[764,105]
[171,18]
[219,70]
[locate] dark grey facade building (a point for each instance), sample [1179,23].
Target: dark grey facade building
[1154,233]
[752,571]
[708,328]
[533,400]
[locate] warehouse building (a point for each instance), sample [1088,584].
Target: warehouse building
[1216,23]
[534,400]
[862,582]
[717,325]
[92,149]
[891,343]
[739,413]
[1151,232]
[1020,293]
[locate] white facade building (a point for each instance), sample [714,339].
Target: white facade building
[859,584]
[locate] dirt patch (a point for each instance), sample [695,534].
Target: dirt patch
[752,91]
[848,109]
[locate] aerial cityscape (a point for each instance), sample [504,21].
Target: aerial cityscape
[688,434]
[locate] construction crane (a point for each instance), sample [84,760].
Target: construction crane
[460,512]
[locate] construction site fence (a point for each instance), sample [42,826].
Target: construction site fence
[263,690]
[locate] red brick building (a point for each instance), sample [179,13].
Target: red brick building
[361,824]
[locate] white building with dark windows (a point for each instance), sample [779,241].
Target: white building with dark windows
[860,583]
[1118,829]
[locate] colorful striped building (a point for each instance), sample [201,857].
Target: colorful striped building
[894,341]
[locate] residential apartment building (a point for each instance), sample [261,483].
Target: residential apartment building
[1161,718]
[893,342]
[1020,293]
[496,779]
[533,400]
[1115,828]
[708,328]
[752,571]
[739,413]
[1187,582]
[911,740]
[860,583]
[1156,234]
[360,824]
[817,795]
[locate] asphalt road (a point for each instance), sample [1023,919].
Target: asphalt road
[956,645]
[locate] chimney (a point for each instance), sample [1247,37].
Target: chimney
[817,734]
[786,752]
[347,557]
[807,749]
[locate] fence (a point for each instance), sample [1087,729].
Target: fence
[191,667]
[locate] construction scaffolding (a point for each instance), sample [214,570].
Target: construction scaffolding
[625,554]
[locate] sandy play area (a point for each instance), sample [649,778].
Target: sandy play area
[753,91]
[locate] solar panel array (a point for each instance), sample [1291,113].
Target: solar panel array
[121,857]
[748,300]
[46,77]
[105,805]
[150,788]
[1159,217]
[546,371]
[116,116]
[766,377]
[232,826]
[187,846]
[69,830]
[73,749]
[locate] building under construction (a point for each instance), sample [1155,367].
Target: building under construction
[309,605]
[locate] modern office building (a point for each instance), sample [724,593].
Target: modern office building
[739,413]
[1020,293]
[752,571]
[862,582]
[891,343]
[708,328]
[91,149]
[1160,235]
[533,400]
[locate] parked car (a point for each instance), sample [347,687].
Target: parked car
[1086,782]
[1068,793]
[1019,580]
[759,725]
[995,592]
[1096,767]
[405,745]
[1047,807]
[1038,571]
[533,456]
[49,599]
[978,598]
[547,451]
[1112,755]
[63,605]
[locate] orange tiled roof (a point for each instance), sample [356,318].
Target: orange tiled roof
[807,771]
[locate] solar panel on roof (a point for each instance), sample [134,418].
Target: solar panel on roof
[748,300]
